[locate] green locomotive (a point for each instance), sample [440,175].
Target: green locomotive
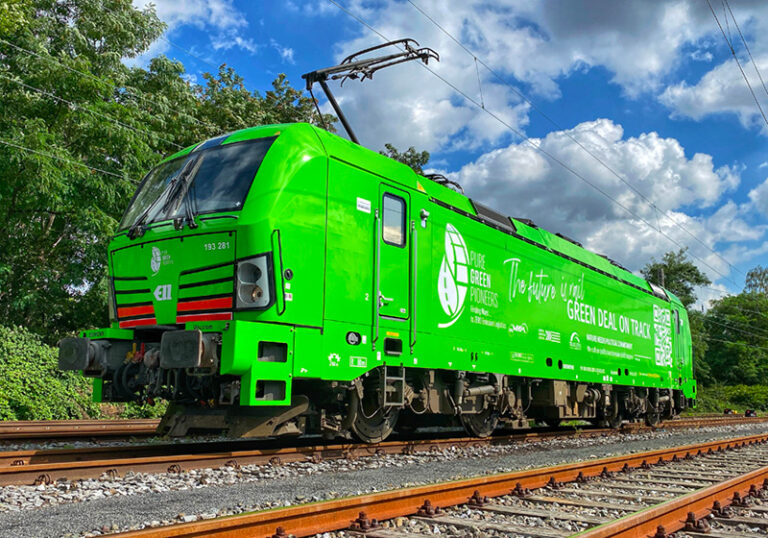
[283,280]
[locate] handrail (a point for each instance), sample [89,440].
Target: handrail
[377,291]
[279,272]
[415,269]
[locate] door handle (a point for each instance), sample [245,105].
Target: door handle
[384,300]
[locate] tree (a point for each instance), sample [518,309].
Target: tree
[737,328]
[757,280]
[415,159]
[92,128]
[680,275]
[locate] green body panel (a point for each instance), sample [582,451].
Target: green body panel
[458,294]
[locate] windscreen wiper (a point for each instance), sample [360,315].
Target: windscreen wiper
[137,229]
[179,194]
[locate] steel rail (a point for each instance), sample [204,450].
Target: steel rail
[46,466]
[48,429]
[675,515]
[316,518]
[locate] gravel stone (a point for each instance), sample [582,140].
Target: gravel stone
[139,500]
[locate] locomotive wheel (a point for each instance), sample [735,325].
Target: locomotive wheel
[653,418]
[480,424]
[371,423]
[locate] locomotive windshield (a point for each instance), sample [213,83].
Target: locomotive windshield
[203,181]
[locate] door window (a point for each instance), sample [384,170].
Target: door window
[393,230]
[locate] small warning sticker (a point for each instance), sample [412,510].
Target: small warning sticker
[363,205]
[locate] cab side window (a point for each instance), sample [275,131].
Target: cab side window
[393,231]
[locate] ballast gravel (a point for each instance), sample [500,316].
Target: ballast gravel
[101,506]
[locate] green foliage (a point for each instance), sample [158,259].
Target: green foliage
[32,387]
[757,280]
[680,275]
[415,159]
[144,410]
[68,96]
[737,333]
[738,397]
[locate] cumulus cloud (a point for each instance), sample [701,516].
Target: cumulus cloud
[520,181]
[759,197]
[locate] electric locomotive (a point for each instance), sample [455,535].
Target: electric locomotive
[281,280]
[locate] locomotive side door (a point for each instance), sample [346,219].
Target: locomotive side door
[392,254]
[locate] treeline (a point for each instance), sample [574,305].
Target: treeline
[78,129]
[730,337]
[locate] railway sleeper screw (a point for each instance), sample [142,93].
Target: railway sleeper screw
[476,499]
[753,491]
[554,484]
[675,459]
[520,491]
[409,450]
[626,468]
[280,533]
[363,524]
[111,473]
[696,526]
[738,500]
[427,510]
[581,479]
[765,483]
[233,464]
[719,511]
[645,466]
[174,469]
[661,532]
[17,463]
[661,461]
[275,460]
[688,456]
[44,478]
[605,473]
[316,458]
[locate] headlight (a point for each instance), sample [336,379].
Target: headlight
[254,282]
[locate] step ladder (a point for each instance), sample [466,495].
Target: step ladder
[394,386]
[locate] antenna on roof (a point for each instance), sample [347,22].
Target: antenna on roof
[353,67]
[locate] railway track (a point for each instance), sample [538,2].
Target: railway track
[58,429]
[719,485]
[46,466]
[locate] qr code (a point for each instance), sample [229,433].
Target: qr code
[662,319]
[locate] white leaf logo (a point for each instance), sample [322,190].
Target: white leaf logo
[156,260]
[453,278]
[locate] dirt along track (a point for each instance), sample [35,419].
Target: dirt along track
[25,467]
[662,487]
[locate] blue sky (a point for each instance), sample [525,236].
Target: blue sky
[647,102]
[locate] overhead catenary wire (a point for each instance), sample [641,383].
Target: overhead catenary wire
[533,144]
[64,159]
[735,57]
[746,46]
[89,111]
[605,165]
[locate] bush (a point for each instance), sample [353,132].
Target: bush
[31,385]
[739,397]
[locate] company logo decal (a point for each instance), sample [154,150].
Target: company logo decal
[163,292]
[156,260]
[453,279]
[518,328]
[575,341]
[159,258]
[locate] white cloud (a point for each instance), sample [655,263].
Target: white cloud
[285,53]
[220,14]
[226,42]
[520,181]
[759,197]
